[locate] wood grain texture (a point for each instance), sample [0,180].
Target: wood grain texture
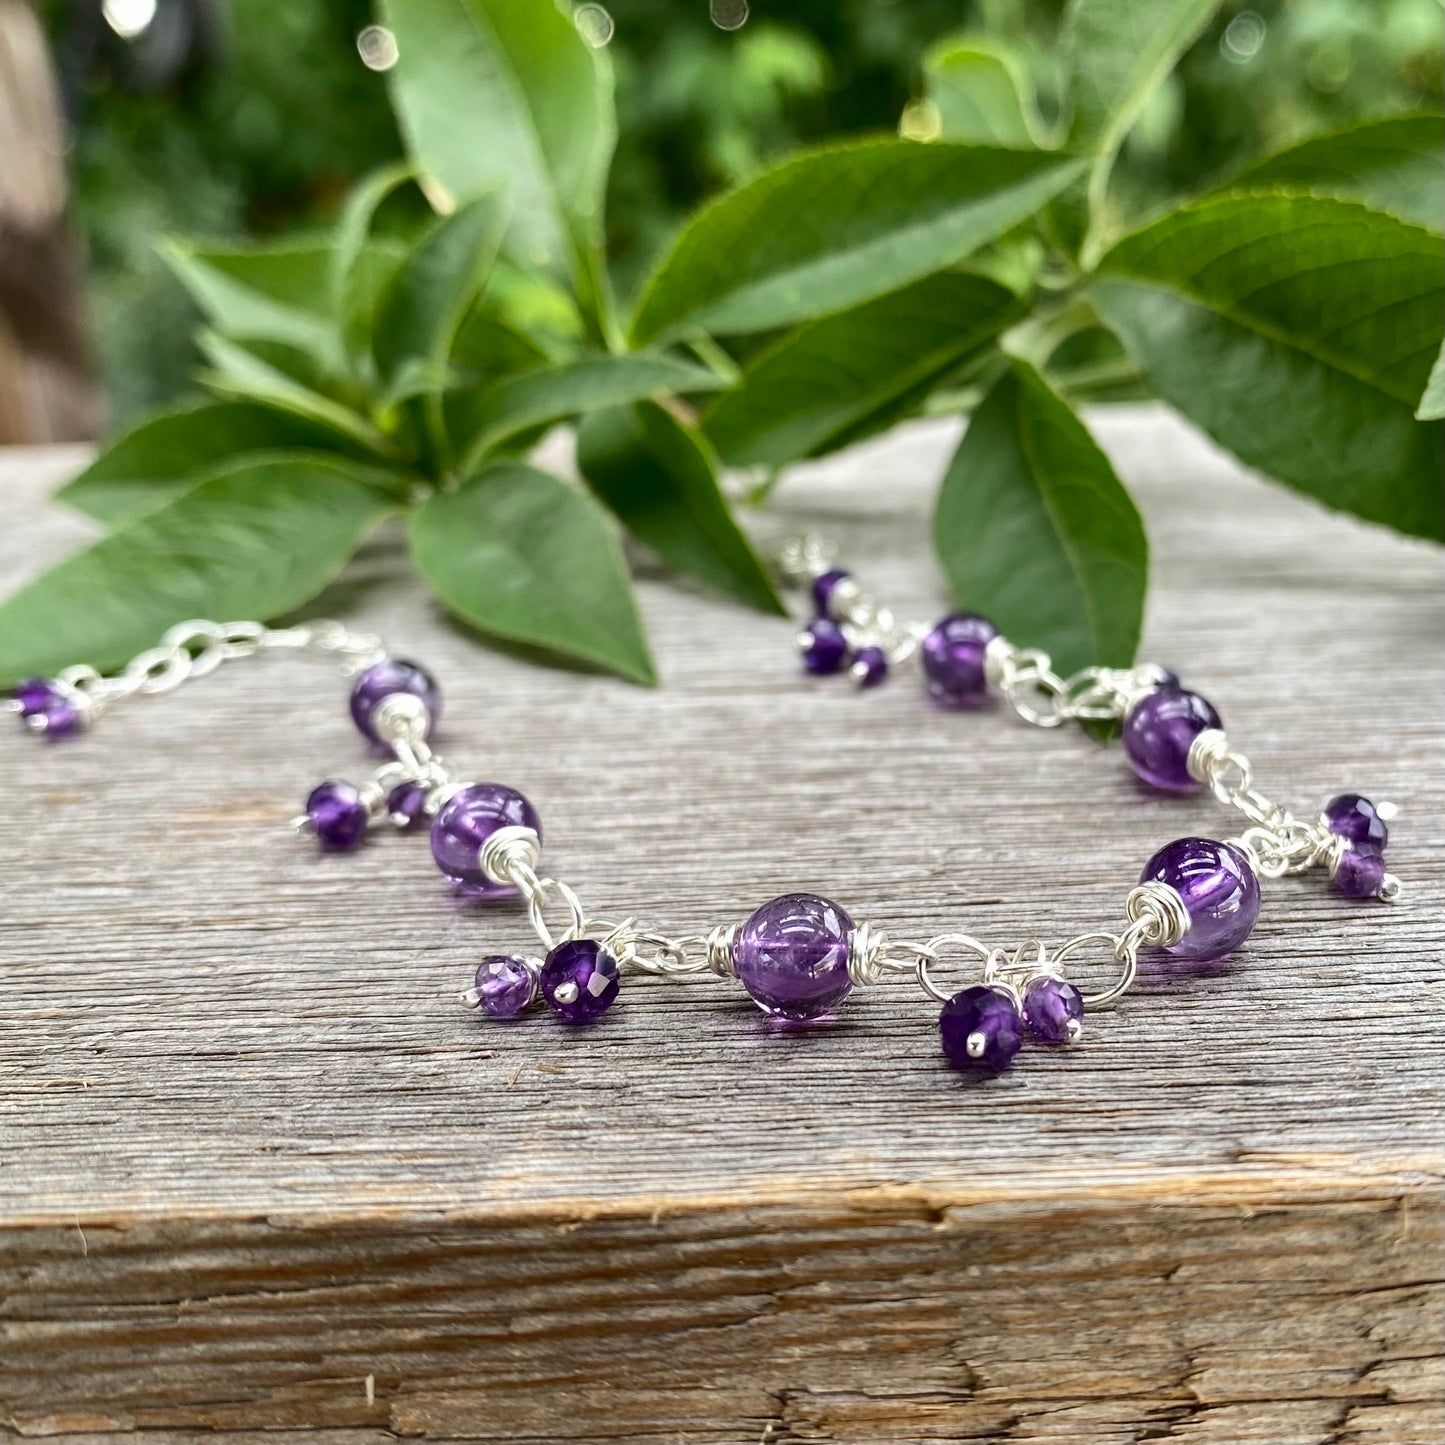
[261,1179]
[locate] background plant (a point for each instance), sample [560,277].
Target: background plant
[1291,310]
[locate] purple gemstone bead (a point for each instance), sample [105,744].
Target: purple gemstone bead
[1219,889]
[824,647]
[466,820]
[504,986]
[383,680]
[579,980]
[1053,1010]
[1360,872]
[824,586]
[953,659]
[981,1029]
[407,802]
[338,816]
[1357,819]
[792,956]
[1158,733]
[45,708]
[870,666]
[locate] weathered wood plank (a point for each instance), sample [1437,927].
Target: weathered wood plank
[251,1153]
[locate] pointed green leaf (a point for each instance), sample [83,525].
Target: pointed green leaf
[820,382]
[243,375]
[1035,530]
[481,419]
[488,347]
[1391,165]
[273,293]
[253,542]
[427,298]
[835,227]
[353,229]
[661,479]
[1299,333]
[492,92]
[1432,400]
[982,94]
[521,554]
[1119,52]
[160,457]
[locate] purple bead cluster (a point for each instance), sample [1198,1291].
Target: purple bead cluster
[47,707]
[579,979]
[983,1025]
[824,644]
[1359,871]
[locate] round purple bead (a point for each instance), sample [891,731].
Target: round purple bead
[1158,733]
[1217,883]
[980,1028]
[385,679]
[579,980]
[1357,819]
[953,659]
[792,956]
[1053,1010]
[1360,873]
[824,647]
[338,816]
[870,666]
[45,708]
[824,586]
[504,986]
[466,820]
[407,802]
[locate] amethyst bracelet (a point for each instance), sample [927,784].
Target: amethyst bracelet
[800,956]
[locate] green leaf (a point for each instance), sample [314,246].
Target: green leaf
[493,92]
[835,227]
[253,542]
[522,555]
[982,94]
[353,229]
[161,456]
[1119,53]
[242,374]
[274,293]
[482,419]
[1035,530]
[489,347]
[661,479]
[1432,399]
[1391,165]
[1298,332]
[424,304]
[822,381]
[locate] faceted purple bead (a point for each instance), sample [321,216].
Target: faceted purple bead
[1357,819]
[338,816]
[466,820]
[407,801]
[824,586]
[953,659]
[1053,1010]
[45,708]
[981,1029]
[792,956]
[504,986]
[1158,733]
[1220,892]
[824,647]
[870,666]
[579,980]
[1360,872]
[384,679]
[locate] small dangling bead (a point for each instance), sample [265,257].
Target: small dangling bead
[505,986]
[823,646]
[824,586]
[580,980]
[1356,818]
[981,1029]
[870,666]
[1360,871]
[1053,1010]
[406,804]
[45,708]
[337,815]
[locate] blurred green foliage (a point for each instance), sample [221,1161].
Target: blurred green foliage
[271,115]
